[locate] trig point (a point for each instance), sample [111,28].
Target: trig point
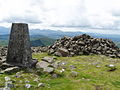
[19,51]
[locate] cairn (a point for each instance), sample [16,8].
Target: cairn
[84,45]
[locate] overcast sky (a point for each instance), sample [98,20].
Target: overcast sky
[102,16]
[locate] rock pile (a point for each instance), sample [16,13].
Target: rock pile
[4,66]
[39,49]
[3,52]
[84,45]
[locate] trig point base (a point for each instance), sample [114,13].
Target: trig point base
[19,51]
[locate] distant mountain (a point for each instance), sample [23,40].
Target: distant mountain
[114,37]
[36,40]
[58,34]
[37,33]
[4,30]
[118,44]
[53,34]
[36,43]
[42,41]
[4,37]
[48,36]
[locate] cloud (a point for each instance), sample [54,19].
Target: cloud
[29,19]
[64,15]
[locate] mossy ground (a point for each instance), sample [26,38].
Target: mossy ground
[92,75]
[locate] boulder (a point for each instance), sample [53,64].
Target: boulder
[41,85]
[42,64]
[48,70]
[74,73]
[63,52]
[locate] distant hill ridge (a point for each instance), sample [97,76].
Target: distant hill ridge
[51,35]
[56,34]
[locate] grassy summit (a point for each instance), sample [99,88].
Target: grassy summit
[92,74]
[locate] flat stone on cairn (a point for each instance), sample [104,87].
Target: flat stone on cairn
[19,50]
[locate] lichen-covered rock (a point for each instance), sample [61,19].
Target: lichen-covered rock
[62,52]
[28,85]
[74,73]
[42,64]
[41,85]
[9,84]
[48,70]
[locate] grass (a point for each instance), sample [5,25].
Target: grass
[92,75]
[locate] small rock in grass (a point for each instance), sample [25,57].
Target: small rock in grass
[72,67]
[20,81]
[54,75]
[48,69]
[5,88]
[63,70]
[42,64]
[9,84]
[36,80]
[111,67]
[27,85]
[27,81]
[55,64]
[74,73]
[98,66]
[41,85]
[7,78]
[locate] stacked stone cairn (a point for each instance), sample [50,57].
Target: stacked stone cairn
[84,45]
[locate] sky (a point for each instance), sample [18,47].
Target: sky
[99,16]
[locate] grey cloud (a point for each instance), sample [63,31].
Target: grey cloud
[116,13]
[32,20]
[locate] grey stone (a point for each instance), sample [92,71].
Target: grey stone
[74,73]
[58,54]
[27,81]
[5,88]
[9,84]
[55,65]
[42,64]
[41,85]
[111,67]
[36,80]
[7,78]
[72,67]
[64,52]
[54,75]
[28,85]
[48,70]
